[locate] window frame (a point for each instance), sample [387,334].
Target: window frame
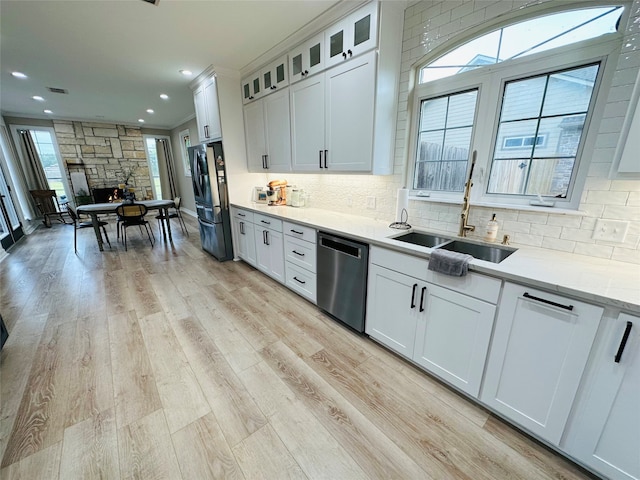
[490,81]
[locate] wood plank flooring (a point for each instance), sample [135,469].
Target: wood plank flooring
[164,363]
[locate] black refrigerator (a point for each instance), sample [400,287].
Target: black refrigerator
[209,175]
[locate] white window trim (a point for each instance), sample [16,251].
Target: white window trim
[184,155]
[146,148]
[483,137]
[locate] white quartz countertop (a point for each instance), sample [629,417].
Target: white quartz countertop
[608,282]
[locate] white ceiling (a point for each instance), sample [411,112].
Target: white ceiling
[115,57]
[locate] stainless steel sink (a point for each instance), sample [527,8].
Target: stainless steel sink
[488,253]
[423,239]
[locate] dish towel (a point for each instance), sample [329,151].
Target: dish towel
[449,263]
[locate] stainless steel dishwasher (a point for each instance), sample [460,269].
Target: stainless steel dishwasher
[342,278]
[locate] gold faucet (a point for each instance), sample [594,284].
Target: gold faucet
[464,216]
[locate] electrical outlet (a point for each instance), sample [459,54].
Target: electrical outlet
[610,230]
[371,203]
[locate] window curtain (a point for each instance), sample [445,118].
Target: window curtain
[33,171]
[166,169]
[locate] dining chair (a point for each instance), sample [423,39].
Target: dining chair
[175,214]
[77,224]
[130,215]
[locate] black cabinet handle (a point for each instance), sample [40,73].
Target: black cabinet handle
[266,233]
[350,53]
[297,253]
[296,231]
[326,154]
[320,159]
[241,215]
[264,221]
[299,281]
[623,342]
[273,87]
[264,237]
[424,289]
[344,55]
[306,72]
[250,97]
[548,302]
[242,228]
[266,161]
[413,295]
[206,131]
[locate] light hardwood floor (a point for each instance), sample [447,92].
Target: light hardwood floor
[164,363]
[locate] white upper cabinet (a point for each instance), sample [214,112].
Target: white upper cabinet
[307,58]
[604,432]
[308,124]
[205,99]
[268,133]
[540,347]
[265,81]
[355,34]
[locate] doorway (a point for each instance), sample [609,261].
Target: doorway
[10,226]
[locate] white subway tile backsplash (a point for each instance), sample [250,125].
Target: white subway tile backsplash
[572,221]
[607,197]
[462,10]
[625,185]
[516,227]
[532,217]
[558,244]
[622,213]
[597,183]
[601,251]
[626,255]
[577,235]
[525,239]
[634,199]
[611,125]
[551,231]
[607,140]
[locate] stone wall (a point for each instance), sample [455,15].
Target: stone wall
[107,151]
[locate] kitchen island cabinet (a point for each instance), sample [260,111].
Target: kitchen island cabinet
[604,431]
[538,354]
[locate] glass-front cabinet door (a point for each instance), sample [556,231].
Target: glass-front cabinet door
[307,58]
[275,75]
[354,35]
[252,88]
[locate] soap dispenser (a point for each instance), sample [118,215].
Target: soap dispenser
[492,230]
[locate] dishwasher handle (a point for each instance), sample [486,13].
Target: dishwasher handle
[341,245]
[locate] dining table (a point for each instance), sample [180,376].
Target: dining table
[95,209]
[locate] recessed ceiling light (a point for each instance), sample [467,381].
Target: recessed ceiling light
[38,98]
[18,74]
[150,110]
[47,111]
[164,96]
[141,120]
[186,73]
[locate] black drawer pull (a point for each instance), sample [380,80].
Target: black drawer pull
[241,214]
[424,289]
[413,295]
[623,342]
[299,281]
[295,231]
[263,221]
[548,302]
[297,253]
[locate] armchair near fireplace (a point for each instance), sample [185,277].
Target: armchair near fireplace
[48,206]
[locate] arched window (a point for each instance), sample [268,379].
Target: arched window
[523,97]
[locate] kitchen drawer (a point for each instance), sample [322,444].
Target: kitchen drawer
[473,284]
[301,281]
[300,253]
[244,215]
[298,231]
[267,222]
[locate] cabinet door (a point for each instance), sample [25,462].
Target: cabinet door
[307,59]
[201,112]
[213,128]
[275,75]
[350,103]
[276,252]
[452,338]
[605,431]
[263,256]
[540,347]
[254,136]
[278,131]
[352,36]
[392,309]
[307,123]
[246,241]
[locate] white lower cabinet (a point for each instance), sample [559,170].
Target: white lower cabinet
[269,246]
[245,234]
[300,259]
[539,351]
[443,330]
[453,336]
[604,431]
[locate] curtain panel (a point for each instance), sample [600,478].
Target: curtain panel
[166,169]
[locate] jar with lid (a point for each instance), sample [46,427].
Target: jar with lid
[295,197]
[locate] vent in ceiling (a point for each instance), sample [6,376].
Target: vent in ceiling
[58,90]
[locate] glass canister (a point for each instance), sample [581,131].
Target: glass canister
[289,192]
